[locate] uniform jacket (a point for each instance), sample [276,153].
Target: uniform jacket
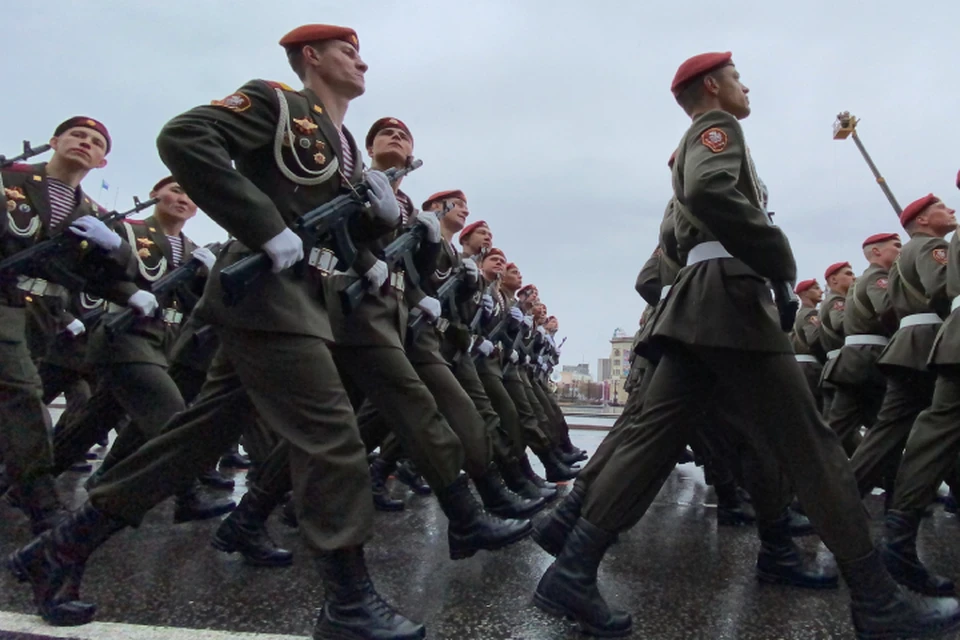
[867,311]
[946,346]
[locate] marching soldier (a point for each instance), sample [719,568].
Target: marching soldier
[806,336]
[476,238]
[731,247]
[838,278]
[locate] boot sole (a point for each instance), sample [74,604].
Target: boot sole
[16,567]
[460,553]
[222,545]
[773,578]
[554,609]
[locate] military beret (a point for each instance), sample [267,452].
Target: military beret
[803,285]
[832,269]
[308,33]
[470,228]
[163,183]
[512,265]
[386,123]
[443,195]
[915,208]
[880,237]
[552,318]
[83,121]
[527,288]
[699,65]
[493,251]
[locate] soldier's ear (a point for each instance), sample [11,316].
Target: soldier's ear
[102,164]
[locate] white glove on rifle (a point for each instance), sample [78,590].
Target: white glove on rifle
[485,347]
[92,229]
[472,271]
[528,320]
[514,358]
[377,274]
[285,250]
[516,314]
[486,301]
[143,302]
[75,328]
[541,330]
[431,223]
[431,307]
[526,359]
[205,256]
[383,202]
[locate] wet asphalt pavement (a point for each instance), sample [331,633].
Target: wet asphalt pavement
[680,576]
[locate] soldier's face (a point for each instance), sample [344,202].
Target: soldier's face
[81,146]
[940,218]
[493,266]
[889,251]
[391,146]
[841,280]
[456,218]
[815,293]
[340,66]
[733,93]
[512,279]
[480,239]
[552,325]
[174,202]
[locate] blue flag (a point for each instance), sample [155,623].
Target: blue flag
[104,185]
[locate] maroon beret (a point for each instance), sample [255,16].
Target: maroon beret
[698,65]
[385,123]
[163,183]
[803,285]
[832,269]
[526,288]
[470,228]
[915,208]
[880,237]
[83,121]
[308,33]
[512,265]
[443,195]
[493,251]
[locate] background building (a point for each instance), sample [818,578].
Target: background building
[604,368]
[620,347]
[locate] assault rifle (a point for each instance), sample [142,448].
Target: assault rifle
[28,152]
[169,282]
[400,251]
[446,294]
[41,253]
[332,218]
[478,316]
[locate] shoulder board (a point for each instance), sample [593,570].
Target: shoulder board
[279,85]
[129,221]
[22,167]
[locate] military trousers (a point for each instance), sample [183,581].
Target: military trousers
[25,443]
[74,436]
[933,445]
[878,457]
[854,407]
[600,457]
[502,403]
[768,405]
[465,371]
[532,434]
[291,382]
[811,373]
[73,384]
[544,425]
[386,378]
[554,412]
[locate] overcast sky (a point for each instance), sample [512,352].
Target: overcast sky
[555,117]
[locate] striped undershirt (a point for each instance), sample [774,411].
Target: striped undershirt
[63,201]
[406,209]
[348,160]
[176,246]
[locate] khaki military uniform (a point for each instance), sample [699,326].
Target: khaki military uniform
[806,344]
[721,344]
[918,294]
[274,357]
[832,310]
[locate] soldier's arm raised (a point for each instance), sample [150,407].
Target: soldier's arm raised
[648,283]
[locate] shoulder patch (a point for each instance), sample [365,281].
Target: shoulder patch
[940,255]
[279,85]
[814,320]
[839,305]
[714,139]
[882,283]
[238,102]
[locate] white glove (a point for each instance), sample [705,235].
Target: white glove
[430,306]
[541,331]
[92,229]
[516,314]
[377,274]
[514,358]
[285,250]
[205,256]
[431,223]
[526,359]
[486,301]
[143,302]
[528,320]
[485,347]
[471,271]
[75,328]
[383,201]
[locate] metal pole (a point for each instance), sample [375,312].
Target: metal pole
[876,173]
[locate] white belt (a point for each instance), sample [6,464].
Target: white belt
[323,260]
[917,319]
[880,341]
[804,357]
[955,304]
[442,324]
[833,354]
[169,314]
[40,287]
[707,251]
[665,291]
[397,281]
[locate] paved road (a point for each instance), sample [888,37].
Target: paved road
[680,576]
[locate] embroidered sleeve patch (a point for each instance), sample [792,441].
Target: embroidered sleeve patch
[235,102]
[839,305]
[815,321]
[882,283]
[714,139]
[940,255]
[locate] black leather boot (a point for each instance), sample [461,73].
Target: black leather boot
[523,486]
[245,531]
[780,562]
[379,472]
[883,611]
[501,501]
[352,609]
[190,505]
[54,562]
[528,471]
[471,528]
[568,459]
[216,480]
[235,460]
[551,531]
[731,511]
[40,502]
[798,525]
[289,515]
[899,553]
[556,471]
[569,587]
[408,475]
